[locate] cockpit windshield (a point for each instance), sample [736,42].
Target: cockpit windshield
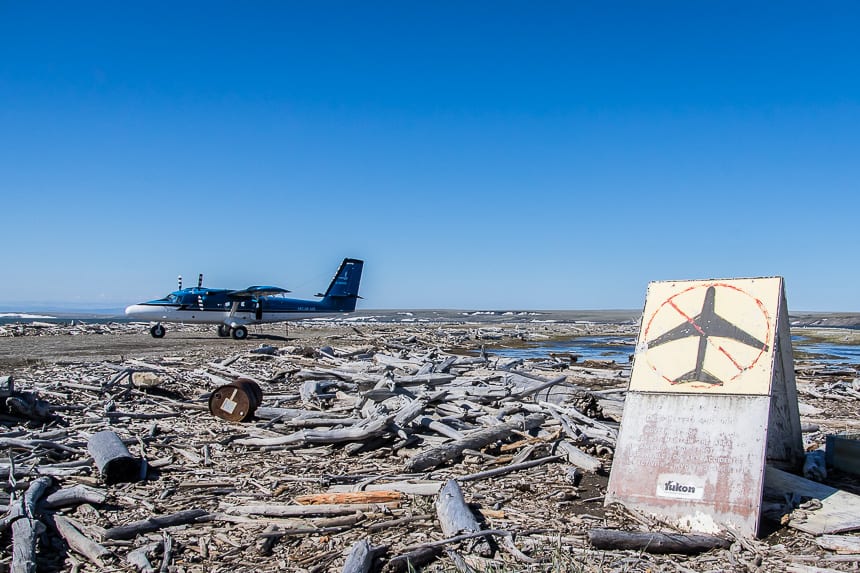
[172,298]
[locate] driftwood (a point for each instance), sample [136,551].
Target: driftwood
[842,544]
[360,558]
[836,511]
[365,497]
[74,495]
[130,530]
[203,462]
[139,558]
[474,441]
[366,429]
[413,560]
[281,510]
[579,458]
[79,542]
[23,520]
[655,542]
[455,517]
[508,469]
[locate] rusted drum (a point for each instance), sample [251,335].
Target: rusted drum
[236,402]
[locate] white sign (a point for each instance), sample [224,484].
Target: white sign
[711,400]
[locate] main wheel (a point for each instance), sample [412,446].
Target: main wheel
[240,333]
[157,331]
[223,330]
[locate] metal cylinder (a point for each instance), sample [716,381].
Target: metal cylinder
[237,401]
[112,458]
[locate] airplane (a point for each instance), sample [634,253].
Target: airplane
[233,310]
[704,325]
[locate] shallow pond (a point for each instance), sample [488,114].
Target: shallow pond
[620,349]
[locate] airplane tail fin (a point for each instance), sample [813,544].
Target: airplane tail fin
[343,290]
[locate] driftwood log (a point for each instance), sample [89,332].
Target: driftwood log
[362,431]
[475,441]
[26,526]
[130,530]
[655,542]
[455,517]
[360,558]
[79,542]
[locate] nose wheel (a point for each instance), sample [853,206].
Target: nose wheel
[157,331]
[239,333]
[223,330]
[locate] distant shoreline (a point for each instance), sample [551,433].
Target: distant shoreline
[447,316]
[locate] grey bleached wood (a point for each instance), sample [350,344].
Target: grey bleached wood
[270,413]
[26,526]
[843,544]
[154,523]
[840,510]
[139,557]
[441,428]
[534,387]
[79,542]
[579,458]
[472,441]
[25,531]
[429,379]
[600,430]
[367,429]
[455,517]
[360,558]
[75,495]
[509,469]
[414,408]
[283,510]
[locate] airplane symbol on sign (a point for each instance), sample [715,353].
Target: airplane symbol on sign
[705,325]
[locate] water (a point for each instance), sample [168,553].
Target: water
[615,348]
[619,349]
[831,353]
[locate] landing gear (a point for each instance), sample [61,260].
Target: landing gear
[157,331]
[239,333]
[223,330]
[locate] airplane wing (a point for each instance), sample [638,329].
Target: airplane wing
[683,330]
[719,326]
[255,291]
[712,325]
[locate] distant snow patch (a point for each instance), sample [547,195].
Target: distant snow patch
[23,315]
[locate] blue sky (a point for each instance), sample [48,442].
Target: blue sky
[507,155]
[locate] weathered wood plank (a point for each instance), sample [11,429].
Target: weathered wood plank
[839,512]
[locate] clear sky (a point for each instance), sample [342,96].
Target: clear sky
[477,155]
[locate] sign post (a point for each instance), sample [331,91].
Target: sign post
[711,401]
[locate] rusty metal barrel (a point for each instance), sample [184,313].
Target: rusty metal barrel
[237,401]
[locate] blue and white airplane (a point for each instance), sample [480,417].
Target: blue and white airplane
[233,310]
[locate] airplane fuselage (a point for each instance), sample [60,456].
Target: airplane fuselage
[233,310]
[213,311]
